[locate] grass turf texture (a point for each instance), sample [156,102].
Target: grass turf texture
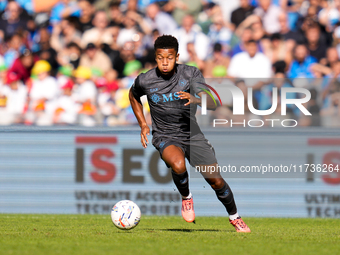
[95,234]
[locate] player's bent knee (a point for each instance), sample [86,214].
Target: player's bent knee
[217,183]
[178,166]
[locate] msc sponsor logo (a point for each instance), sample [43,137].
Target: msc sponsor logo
[164,98]
[170,97]
[155,98]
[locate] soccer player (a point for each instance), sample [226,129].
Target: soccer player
[176,134]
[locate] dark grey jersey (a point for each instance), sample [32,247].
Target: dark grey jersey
[170,118]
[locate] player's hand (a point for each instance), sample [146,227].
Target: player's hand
[186,95]
[144,132]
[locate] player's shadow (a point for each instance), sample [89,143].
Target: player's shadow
[192,230]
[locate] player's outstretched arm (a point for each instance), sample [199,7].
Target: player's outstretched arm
[194,100]
[137,108]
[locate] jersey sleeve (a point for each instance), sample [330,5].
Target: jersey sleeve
[137,89]
[197,82]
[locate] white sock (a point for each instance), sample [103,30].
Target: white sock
[188,197]
[234,216]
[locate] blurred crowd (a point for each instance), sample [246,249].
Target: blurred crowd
[74,62]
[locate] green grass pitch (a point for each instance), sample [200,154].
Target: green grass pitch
[95,234]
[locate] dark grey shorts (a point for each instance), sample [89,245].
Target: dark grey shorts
[198,150]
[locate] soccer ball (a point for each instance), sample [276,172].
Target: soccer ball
[125,214]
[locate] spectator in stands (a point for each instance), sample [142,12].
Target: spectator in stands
[218,64]
[329,16]
[64,9]
[254,23]
[247,35]
[108,106]
[99,33]
[46,52]
[103,4]
[64,109]
[123,103]
[159,20]
[194,60]
[181,8]
[250,64]
[23,65]
[86,16]
[336,39]
[241,13]
[116,16]
[127,55]
[15,96]
[288,35]
[113,51]
[143,51]
[3,75]
[315,42]
[269,14]
[14,44]
[279,67]
[45,87]
[70,55]
[219,33]
[205,18]
[95,58]
[302,63]
[191,33]
[332,57]
[259,33]
[64,74]
[134,5]
[226,7]
[64,33]
[133,23]
[131,70]
[306,23]
[277,50]
[12,23]
[44,90]
[26,5]
[114,32]
[85,94]
[85,90]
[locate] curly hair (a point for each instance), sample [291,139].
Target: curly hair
[166,42]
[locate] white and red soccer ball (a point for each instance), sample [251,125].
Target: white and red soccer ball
[125,214]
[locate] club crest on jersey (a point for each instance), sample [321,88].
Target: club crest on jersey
[182,83]
[155,98]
